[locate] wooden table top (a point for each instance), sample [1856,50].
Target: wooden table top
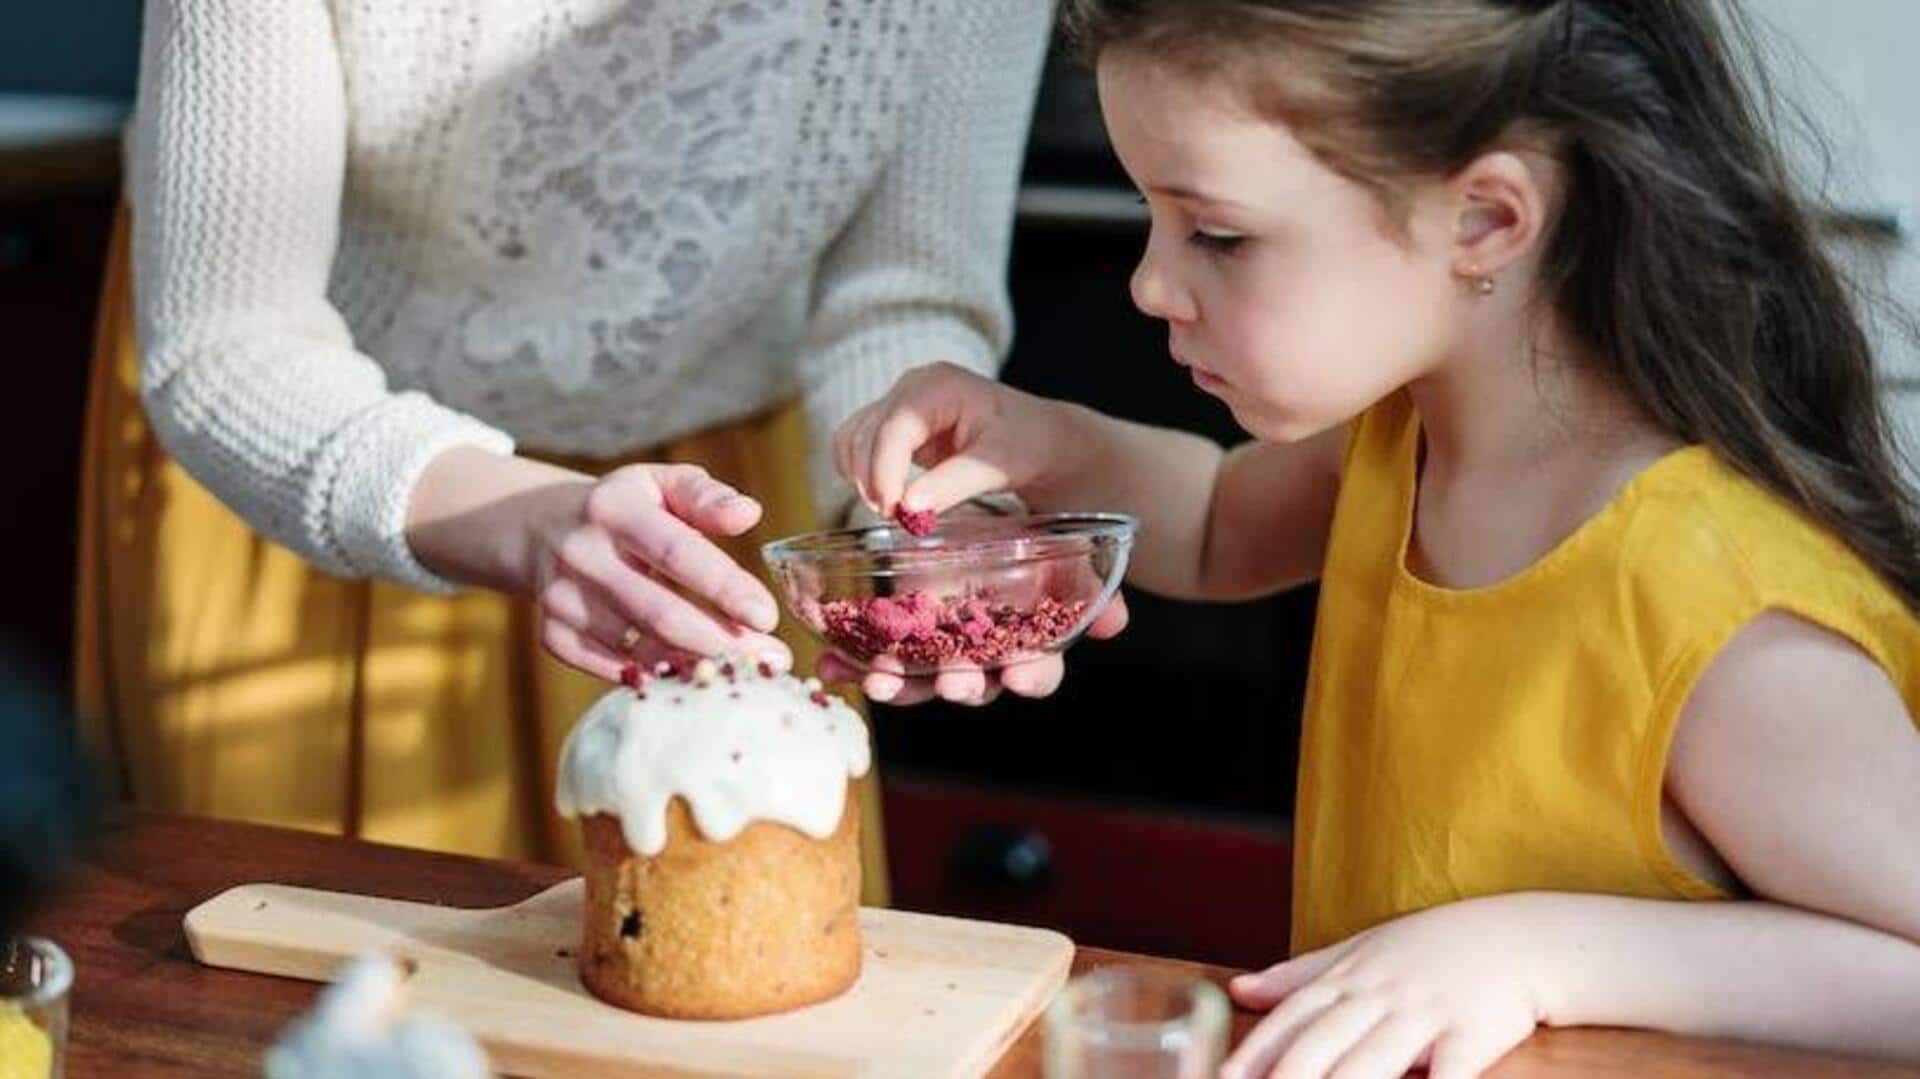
[143,1007]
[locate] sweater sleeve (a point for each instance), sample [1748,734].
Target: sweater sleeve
[249,375]
[919,275]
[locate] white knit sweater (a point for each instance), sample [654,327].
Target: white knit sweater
[368,230]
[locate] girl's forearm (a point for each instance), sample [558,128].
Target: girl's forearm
[1753,971]
[1163,477]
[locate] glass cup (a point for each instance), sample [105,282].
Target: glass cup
[36,978]
[1131,1023]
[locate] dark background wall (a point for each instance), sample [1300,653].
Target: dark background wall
[76,47]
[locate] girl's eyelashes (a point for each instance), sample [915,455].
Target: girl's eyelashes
[1216,243]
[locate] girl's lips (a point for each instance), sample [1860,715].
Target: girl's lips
[1202,377]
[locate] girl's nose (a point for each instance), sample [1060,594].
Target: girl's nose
[1156,294]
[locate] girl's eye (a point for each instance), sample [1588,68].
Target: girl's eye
[1216,243]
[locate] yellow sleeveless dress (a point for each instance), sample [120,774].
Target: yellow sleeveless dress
[220,675]
[1461,743]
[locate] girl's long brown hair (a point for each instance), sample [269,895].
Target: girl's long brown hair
[1684,255]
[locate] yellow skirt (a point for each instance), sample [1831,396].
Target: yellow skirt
[220,675]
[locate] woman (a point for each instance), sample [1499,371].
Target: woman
[419,288]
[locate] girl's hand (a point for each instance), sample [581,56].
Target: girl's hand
[974,436]
[1453,988]
[623,572]
[970,686]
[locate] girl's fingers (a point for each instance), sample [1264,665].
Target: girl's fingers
[895,442]
[1392,1048]
[964,687]
[1035,678]
[1461,1054]
[1319,1044]
[981,469]
[862,474]
[836,671]
[1263,1046]
[843,461]
[1111,620]
[1268,987]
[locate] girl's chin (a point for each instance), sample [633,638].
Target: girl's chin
[1269,423]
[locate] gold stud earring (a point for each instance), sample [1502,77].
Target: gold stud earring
[1482,282]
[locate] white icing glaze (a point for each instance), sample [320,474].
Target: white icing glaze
[737,749]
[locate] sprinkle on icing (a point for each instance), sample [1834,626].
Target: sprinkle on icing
[727,744]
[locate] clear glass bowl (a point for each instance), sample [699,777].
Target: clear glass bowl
[980,593]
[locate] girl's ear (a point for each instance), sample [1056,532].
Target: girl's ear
[1501,212]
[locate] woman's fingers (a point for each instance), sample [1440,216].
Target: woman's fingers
[664,543]
[654,608]
[695,497]
[575,649]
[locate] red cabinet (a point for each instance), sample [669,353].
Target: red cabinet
[1143,879]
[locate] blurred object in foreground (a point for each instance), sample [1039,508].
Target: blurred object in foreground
[357,1031]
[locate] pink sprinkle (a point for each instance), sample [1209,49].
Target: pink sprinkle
[765,669]
[917,522]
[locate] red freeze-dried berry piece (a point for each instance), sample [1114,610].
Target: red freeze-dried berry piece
[630,675]
[917,522]
[924,631]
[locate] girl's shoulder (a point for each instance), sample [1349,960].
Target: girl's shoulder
[1707,550]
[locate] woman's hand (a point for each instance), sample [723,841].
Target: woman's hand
[622,569]
[1453,989]
[973,436]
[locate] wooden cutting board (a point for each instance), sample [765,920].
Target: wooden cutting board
[936,996]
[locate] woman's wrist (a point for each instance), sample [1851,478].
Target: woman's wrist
[472,514]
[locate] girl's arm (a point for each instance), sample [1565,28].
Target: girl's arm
[1215,525]
[1798,761]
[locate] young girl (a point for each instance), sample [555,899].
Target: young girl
[1612,713]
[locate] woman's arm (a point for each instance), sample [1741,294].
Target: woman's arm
[249,376]
[919,275]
